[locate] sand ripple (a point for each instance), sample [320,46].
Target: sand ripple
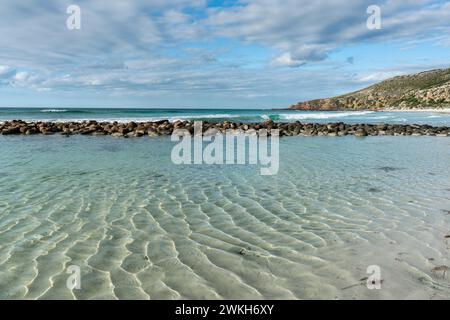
[141,228]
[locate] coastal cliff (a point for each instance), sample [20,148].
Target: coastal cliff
[425,90]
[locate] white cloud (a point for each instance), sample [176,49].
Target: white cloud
[378,76]
[302,27]
[4,70]
[141,47]
[285,60]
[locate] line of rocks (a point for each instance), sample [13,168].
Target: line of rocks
[164,127]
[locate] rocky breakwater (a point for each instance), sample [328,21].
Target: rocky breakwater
[164,128]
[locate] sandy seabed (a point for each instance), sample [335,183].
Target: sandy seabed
[140,227]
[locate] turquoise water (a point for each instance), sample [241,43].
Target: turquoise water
[141,227]
[254,115]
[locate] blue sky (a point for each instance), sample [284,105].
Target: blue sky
[211,54]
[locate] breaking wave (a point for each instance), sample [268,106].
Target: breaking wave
[53,110]
[315,115]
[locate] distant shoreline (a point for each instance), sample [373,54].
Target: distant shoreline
[436,110]
[428,90]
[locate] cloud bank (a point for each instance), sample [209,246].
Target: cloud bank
[254,50]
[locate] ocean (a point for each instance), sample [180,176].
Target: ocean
[237,115]
[137,226]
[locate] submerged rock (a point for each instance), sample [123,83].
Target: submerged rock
[389,169]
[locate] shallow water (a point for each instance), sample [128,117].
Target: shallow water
[141,227]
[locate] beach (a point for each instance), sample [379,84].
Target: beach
[136,225]
[233,156]
[427,110]
[139,226]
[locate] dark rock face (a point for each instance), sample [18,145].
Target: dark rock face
[164,127]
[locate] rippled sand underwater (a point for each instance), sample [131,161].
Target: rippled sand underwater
[140,227]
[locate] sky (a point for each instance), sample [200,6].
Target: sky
[210,54]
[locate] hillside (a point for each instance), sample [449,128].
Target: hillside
[429,89]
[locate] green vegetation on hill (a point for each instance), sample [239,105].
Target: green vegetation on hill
[429,89]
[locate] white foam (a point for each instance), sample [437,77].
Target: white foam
[53,110]
[140,119]
[322,115]
[381,117]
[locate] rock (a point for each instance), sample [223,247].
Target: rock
[268,124]
[164,127]
[117,134]
[11,130]
[86,131]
